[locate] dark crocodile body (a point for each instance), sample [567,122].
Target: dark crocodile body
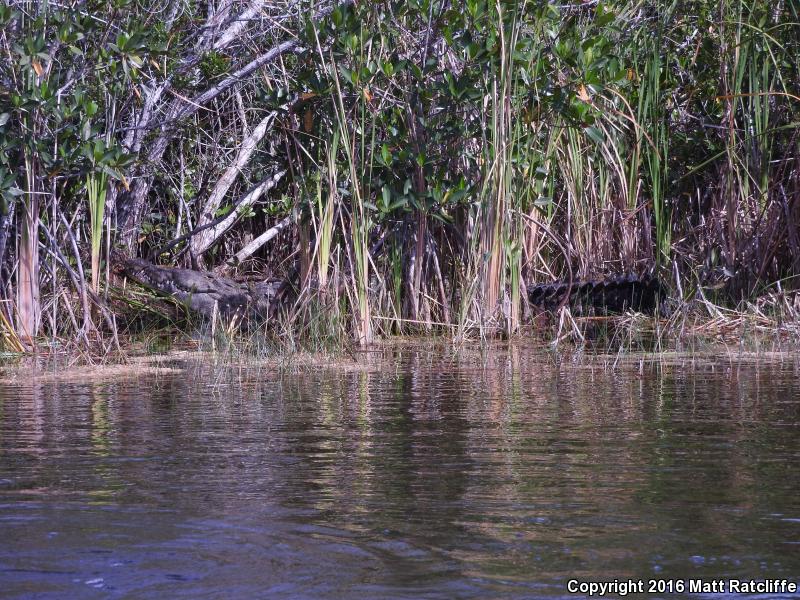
[208,293]
[611,295]
[204,292]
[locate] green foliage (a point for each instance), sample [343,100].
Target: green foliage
[522,140]
[68,77]
[213,65]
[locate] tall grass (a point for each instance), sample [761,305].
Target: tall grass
[96,192]
[462,154]
[325,212]
[359,219]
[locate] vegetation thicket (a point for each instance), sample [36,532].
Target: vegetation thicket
[406,165]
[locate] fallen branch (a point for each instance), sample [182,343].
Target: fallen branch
[224,221]
[202,242]
[258,242]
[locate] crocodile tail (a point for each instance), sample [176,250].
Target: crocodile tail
[611,295]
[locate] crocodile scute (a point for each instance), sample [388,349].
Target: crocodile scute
[616,294]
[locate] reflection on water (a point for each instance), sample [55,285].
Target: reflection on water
[422,475]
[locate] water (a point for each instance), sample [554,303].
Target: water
[417,474]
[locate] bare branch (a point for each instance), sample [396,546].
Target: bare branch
[210,235]
[239,24]
[131,207]
[202,242]
[257,243]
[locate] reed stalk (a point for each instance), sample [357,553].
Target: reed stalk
[359,219]
[96,188]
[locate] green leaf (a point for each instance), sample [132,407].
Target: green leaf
[336,17]
[348,75]
[387,197]
[400,203]
[113,173]
[595,134]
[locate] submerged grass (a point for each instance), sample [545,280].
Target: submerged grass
[617,353]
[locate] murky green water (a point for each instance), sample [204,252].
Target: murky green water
[421,476]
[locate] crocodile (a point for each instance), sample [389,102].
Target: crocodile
[208,293]
[615,294]
[204,292]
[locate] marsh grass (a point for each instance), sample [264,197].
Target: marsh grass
[447,159]
[96,192]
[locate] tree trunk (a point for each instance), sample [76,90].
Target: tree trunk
[6,217]
[28,308]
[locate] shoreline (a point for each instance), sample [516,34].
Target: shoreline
[137,360]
